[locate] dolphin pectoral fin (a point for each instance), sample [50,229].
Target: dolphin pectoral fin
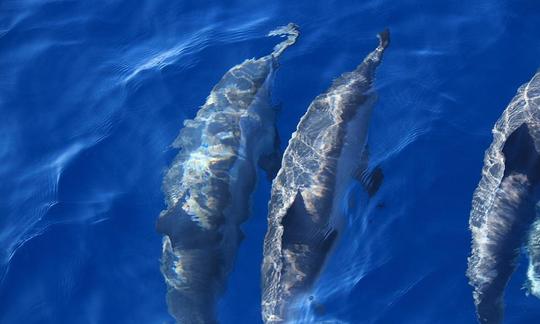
[271,163]
[370,180]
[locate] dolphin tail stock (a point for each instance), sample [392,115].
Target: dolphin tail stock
[290,31]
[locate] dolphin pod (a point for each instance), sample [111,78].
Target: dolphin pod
[209,183]
[327,150]
[505,205]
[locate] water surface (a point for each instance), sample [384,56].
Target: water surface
[92,94]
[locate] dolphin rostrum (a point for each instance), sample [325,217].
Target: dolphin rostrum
[209,183]
[505,204]
[327,150]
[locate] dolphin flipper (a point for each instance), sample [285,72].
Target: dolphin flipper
[371,180]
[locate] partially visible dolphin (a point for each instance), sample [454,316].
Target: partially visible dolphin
[325,153]
[533,249]
[505,204]
[208,185]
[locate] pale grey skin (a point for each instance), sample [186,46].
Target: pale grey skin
[209,184]
[318,166]
[505,205]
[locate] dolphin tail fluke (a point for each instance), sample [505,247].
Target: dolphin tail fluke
[374,58]
[290,31]
[384,38]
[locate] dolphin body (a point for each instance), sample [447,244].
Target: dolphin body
[209,183]
[327,150]
[505,204]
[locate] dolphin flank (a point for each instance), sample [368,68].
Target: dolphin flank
[327,150]
[209,183]
[505,208]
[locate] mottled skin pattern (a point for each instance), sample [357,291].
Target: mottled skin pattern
[301,231]
[505,204]
[208,186]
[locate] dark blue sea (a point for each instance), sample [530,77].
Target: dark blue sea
[93,93]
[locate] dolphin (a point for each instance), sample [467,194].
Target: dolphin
[327,150]
[208,185]
[505,203]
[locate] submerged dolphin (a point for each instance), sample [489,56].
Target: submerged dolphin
[327,150]
[505,204]
[209,183]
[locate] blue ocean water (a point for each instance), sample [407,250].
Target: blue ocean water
[92,94]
